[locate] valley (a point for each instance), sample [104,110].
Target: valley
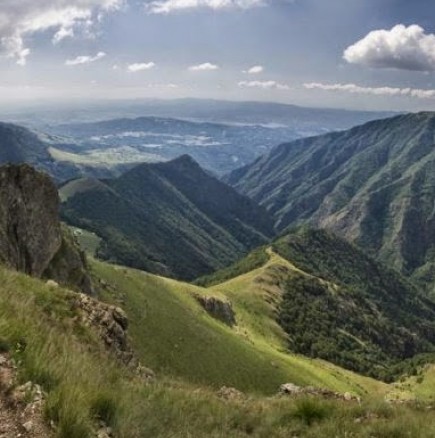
[203,306]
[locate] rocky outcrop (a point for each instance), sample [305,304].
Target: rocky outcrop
[69,266]
[218,309]
[31,237]
[111,324]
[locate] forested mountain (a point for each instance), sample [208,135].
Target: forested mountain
[169,218]
[373,185]
[334,302]
[21,145]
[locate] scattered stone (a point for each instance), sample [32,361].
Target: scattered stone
[21,407]
[218,309]
[229,393]
[145,373]
[52,284]
[28,425]
[290,388]
[105,432]
[294,390]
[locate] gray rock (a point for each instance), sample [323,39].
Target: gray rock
[32,239]
[29,223]
[218,309]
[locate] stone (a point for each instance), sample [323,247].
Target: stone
[29,223]
[290,388]
[294,390]
[120,317]
[229,393]
[52,284]
[32,239]
[28,425]
[218,309]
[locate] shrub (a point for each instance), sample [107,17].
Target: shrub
[310,410]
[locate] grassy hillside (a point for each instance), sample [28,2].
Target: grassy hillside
[171,218]
[84,384]
[177,338]
[350,310]
[323,297]
[373,185]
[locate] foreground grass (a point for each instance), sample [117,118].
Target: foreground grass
[40,329]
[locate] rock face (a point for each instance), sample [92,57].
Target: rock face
[218,309]
[111,324]
[31,237]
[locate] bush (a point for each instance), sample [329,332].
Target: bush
[310,410]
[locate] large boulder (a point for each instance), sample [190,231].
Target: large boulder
[218,309]
[32,239]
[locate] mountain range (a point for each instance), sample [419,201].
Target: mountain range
[373,185]
[169,218]
[320,312]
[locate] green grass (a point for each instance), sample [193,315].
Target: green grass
[88,241]
[177,338]
[40,329]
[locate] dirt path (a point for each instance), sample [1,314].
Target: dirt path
[18,418]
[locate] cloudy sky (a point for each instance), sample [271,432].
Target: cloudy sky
[367,54]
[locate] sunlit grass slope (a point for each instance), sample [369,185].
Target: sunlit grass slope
[84,384]
[177,338]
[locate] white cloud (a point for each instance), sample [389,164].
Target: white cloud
[255,70]
[207,66]
[168,6]
[140,66]
[376,91]
[85,59]
[19,19]
[265,85]
[404,48]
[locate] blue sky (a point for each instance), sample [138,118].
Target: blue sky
[367,54]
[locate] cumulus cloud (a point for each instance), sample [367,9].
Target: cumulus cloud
[404,48]
[376,91]
[140,66]
[21,19]
[168,6]
[207,66]
[265,85]
[85,59]
[255,70]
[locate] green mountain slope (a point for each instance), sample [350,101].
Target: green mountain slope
[333,302]
[169,218]
[85,385]
[373,185]
[176,337]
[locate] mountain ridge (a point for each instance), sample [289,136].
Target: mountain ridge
[170,218]
[371,184]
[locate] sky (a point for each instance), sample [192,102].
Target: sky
[356,54]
